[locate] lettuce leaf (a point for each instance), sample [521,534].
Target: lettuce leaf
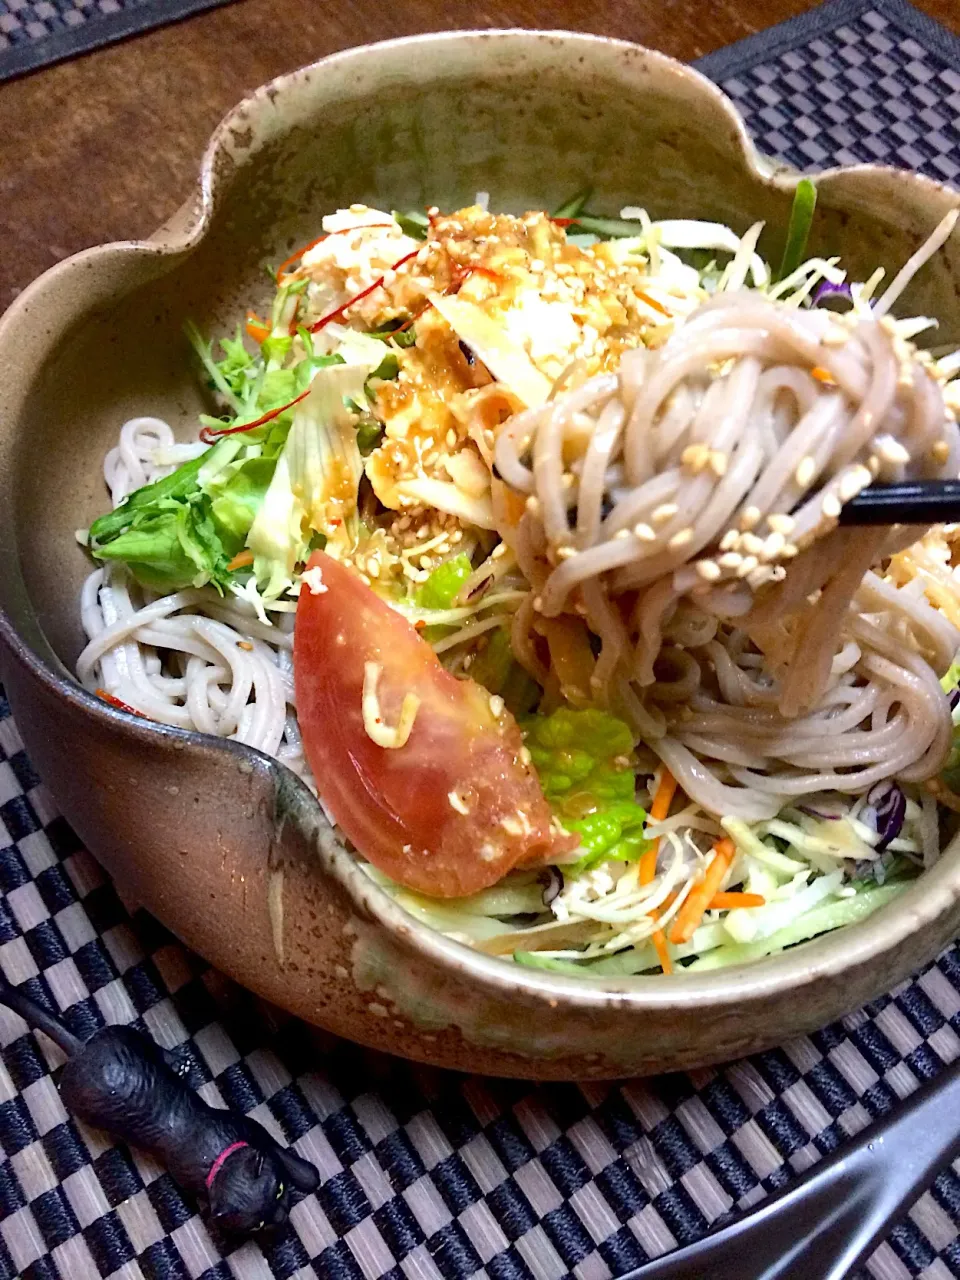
[315,481]
[499,672]
[443,586]
[588,773]
[171,546]
[183,530]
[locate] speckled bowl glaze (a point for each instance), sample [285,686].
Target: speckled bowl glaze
[192,827]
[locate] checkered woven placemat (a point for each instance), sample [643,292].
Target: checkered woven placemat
[34,33]
[427,1175]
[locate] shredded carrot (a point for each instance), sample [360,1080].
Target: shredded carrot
[240,560]
[652,302]
[659,940]
[730,901]
[823,375]
[258,329]
[121,706]
[698,899]
[659,809]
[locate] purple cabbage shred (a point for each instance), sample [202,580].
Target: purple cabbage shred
[888,805]
[817,813]
[552,882]
[826,290]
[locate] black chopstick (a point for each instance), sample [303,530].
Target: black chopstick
[908,502]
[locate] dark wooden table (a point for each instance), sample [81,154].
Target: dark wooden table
[107,146]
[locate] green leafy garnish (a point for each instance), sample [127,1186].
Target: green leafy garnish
[369,434]
[386,371]
[393,331]
[183,530]
[607,228]
[412,223]
[499,672]
[443,586]
[172,546]
[218,379]
[588,773]
[798,229]
[574,206]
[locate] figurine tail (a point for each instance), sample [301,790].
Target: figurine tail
[38,1018]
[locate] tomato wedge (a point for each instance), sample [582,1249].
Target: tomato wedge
[454,808]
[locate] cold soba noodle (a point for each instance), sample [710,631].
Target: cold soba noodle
[645,513]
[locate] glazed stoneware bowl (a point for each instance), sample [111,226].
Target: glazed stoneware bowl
[197,829]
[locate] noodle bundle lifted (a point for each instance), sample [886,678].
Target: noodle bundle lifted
[687,509]
[519,540]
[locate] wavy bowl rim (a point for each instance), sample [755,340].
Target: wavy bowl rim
[931,897]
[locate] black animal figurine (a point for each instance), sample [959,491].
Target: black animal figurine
[120,1081]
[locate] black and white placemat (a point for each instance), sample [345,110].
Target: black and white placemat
[428,1175]
[34,33]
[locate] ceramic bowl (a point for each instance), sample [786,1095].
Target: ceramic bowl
[196,828]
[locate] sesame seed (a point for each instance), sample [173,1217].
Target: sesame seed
[752,544]
[644,532]
[940,452]
[830,506]
[451,439]
[695,457]
[759,577]
[891,450]
[665,512]
[538,603]
[805,471]
[747,566]
[873,465]
[496,705]
[835,337]
[729,540]
[789,551]
[680,539]
[772,546]
[499,550]
[852,482]
[780,522]
[750,518]
[708,569]
[621,534]
[533,505]
[718,463]
[565,553]
[730,560]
